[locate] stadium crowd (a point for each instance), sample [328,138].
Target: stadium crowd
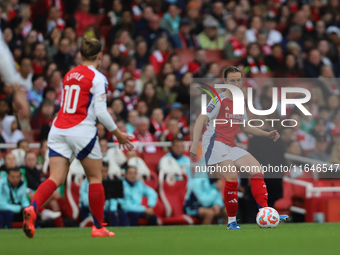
[149,87]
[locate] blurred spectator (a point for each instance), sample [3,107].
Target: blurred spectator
[204,200]
[52,42]
[335,156]
[160,53]
[134,191]
[142,133]
[132,121]
[213,70]
[289,68]
[24,145]
[209,38]
[26,72]
[184,38]
[83,17]
[198,66]
[183,90]
[12,198]
[141,54]
[274,36]
[236,47]
[173,131]
[176,112]
[55,82]
[171,19]
[254,62]
[153,31]
[333,102]
[313,64]
[71,35]
[115,13]
[329,83]
[158,124]
[118,109]
[275,59]
[150,97]
[175,62]
[126,23]
[306,140]
[53,20]
[129,95]
[112,215]
[4,109]
[167,92]
[34,95]
[287,134]
[294,148]
[63,58]
[103,148]
[142,108]
[9,163]
[105,64]
[255,25]
[10,132]
[44,115]
[39,58]
[102,132]
[319,152]
[176,151]
[41,154]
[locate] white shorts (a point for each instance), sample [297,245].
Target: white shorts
[80,147]
[216,152]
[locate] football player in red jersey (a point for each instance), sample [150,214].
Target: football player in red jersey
[74,133]
[219,147]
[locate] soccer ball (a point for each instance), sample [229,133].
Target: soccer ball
[267,217]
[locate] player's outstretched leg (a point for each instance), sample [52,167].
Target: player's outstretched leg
[59,168]
[231,203]
[44,191]
[92,169]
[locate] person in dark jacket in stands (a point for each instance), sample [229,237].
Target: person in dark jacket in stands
[313,64]
[63,58]
[184,39]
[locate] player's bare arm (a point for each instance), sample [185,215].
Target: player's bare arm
[201,120]
[274,135]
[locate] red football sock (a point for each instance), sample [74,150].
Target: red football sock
[231,198]
[44,191]
[59,222]
[97,202]
[259,190]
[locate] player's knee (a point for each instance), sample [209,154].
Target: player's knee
[57,180]
[209,213]
[231,179]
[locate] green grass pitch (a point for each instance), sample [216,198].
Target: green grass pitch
[215,239]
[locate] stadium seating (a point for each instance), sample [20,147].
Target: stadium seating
[115,155]
[149,177]
[172,190]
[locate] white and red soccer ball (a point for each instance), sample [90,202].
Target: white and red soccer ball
[267,217]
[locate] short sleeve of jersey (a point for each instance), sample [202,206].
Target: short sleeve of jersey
[100,84]
[212,109]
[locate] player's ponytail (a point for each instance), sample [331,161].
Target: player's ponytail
[90,48]
[228,70]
